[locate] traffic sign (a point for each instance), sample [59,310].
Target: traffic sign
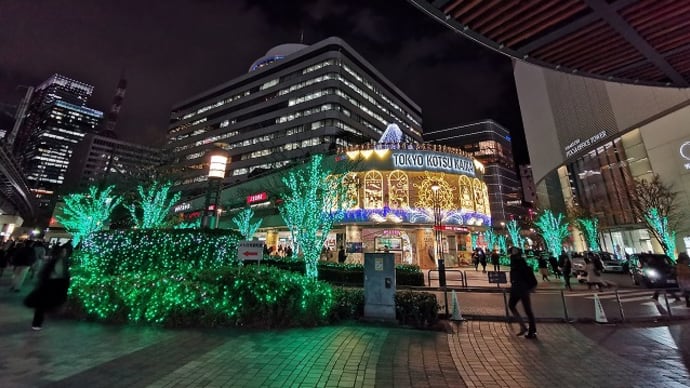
[250,250]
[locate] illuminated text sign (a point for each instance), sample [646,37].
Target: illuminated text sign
[432,161]
[258,197]
[578,145]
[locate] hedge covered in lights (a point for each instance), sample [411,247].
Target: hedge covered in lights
[191,277]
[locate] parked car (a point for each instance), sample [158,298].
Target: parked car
[578,267]
[611,264]
[652,270]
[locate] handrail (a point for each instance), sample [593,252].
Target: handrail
[462,280]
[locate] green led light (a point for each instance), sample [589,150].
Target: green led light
[590,229]
[84,214]
[514,232]
[243,222]
[154,205]
[553,230]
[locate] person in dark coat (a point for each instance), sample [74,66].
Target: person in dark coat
[523,282]
[341,255]
[543,267]
[482,259]
[496,260]
[553,262]
[566,269]
[53,283]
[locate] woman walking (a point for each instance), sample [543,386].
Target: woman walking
[523,282]
[53,283]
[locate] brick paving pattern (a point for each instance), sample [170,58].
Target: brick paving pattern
[476,354]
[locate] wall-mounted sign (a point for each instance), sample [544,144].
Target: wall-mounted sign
[182,207]
[432,161]
[258,197]
[578,145]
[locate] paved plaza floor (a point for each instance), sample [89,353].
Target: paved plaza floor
[476,354]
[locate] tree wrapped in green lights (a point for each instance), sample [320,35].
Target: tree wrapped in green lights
[491,238]
[553,230]
[155,203]
[84,214]
[243,221]
[590,228]
[661,229]
[313,203]
[473,238]
[502,243]
[514,232]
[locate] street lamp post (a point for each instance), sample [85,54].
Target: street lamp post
[435,188]
[216,173]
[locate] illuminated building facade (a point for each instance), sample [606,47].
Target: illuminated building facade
[391,201]
[57,120]
[296,101]
[589,140]
[491,144]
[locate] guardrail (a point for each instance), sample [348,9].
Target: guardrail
[558,306]
[462,279]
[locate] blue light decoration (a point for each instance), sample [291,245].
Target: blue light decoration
[415,216]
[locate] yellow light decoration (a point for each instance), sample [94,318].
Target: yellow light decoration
[352,154]
[366,153]
[381,152]
[425,195]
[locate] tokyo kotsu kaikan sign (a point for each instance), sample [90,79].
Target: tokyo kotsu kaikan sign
[432,161]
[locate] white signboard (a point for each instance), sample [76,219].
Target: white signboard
[250,250]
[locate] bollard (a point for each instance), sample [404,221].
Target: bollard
[620,306]
[505,303]
[464,273]
[565,307]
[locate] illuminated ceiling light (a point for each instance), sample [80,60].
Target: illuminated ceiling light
[352,154]
[480,221]
[381,152]
[366,153]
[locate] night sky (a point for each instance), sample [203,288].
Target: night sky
[170,50]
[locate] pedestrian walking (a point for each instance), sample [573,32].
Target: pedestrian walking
[40,253]
[53,283]
[566,269]
[496,260]
[482,260]
[593,272]
[523,282]
[24,257]
[553,262]
[543,267]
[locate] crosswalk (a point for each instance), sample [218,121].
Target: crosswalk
[626,296]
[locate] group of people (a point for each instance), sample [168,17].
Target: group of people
[480,258]
[32,257]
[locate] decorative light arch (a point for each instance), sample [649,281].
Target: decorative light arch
[373,190]
[478,195]
[466,194]
[398,190]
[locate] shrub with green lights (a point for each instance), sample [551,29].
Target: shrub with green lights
[188,277]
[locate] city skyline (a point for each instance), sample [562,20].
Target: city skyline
[450,87]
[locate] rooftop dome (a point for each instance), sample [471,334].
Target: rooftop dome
[277,53]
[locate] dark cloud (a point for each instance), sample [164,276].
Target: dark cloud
[173,49]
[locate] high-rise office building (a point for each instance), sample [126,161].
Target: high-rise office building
[100,159]
[490,143]
[295,101]
[57,119]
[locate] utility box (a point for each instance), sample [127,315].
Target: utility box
[379,286]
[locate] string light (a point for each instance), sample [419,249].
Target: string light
[665,235]
[154,204]
[514,232]
[553,229]
[590,228]
[84,214]
[243,222]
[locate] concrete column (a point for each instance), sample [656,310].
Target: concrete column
[272,238]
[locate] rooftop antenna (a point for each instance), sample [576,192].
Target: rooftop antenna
[301,36]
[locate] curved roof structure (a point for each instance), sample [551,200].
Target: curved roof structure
[277,53]
[632,41]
